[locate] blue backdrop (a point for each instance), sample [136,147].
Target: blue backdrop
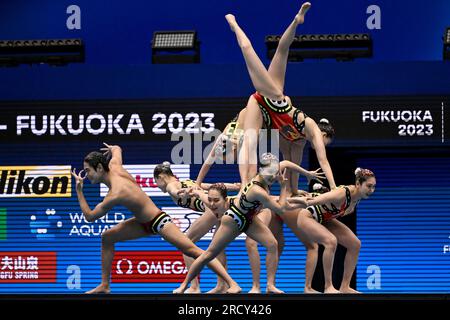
[120,33]
[407,48]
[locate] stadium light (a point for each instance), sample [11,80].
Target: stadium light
[36,51]
[175,47]
[446,39]
[342,47]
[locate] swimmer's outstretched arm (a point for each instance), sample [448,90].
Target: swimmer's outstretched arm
[319,147]
[100,210]
[202,173]
[233,186]
[206,166]
[230,186]
[205,169]
[316,174]
[333,196]
[270,202]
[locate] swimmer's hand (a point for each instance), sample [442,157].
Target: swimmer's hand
[183,193]
[297,202]
[289,207]
[196,192]
[198,184]
[316,175]
[282,180]
[108,148]
[79,178]
[188,192]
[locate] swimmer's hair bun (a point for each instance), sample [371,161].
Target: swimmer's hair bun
[324,120]
[358,171]
[317,186]
[166,164]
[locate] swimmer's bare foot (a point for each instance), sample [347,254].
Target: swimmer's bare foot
[331,290]
[310,290]
[273,289]
[193,290]
[348,290]
[231,21]
[255,290]
[180,289]
[234,288]
[102,288]
[300,17]
[219,289]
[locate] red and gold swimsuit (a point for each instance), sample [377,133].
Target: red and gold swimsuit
[322,213]
[276,116]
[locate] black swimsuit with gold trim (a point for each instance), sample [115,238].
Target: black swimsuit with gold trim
[231,132]
[243,216]
[191,203]
[157,223]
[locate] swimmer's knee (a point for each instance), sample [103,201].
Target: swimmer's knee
[209,255]
[251,244]
[193,252]
[272,245]
[330,242]
[355,246]
[108,237]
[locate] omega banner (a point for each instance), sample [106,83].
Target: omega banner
[358,121]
